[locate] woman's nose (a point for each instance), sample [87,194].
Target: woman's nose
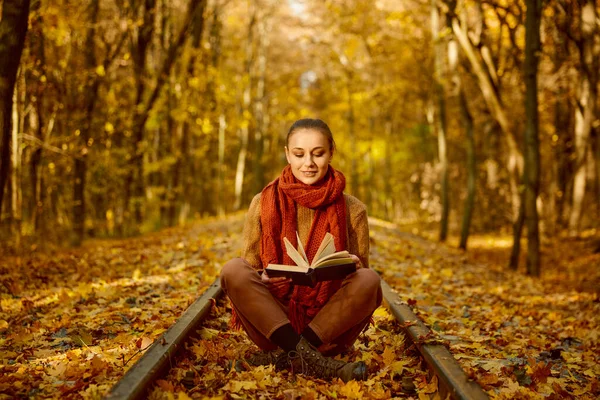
[308,160]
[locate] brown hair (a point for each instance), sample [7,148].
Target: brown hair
[312,123]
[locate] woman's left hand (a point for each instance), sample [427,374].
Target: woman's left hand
[356,261]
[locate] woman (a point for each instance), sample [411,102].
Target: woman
[306,198]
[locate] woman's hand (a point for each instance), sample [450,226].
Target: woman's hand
[356,261]
[274,282]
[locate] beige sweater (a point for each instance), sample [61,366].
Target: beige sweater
[357,239]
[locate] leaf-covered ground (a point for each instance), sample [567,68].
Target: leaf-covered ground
[519,337]
[213,366]
[72,322]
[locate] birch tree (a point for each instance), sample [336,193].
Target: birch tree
[13,28]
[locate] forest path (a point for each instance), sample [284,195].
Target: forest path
[517,336]
[74,321]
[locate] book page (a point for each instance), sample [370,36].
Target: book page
[334,261]
[294,255]
[326,248]
[301,248]
[286,268]
[338,255]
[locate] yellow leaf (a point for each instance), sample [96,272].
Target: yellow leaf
[3,324]
[589,373]
[109,128]
[143,343]
[57,370]
[97,364]
[397,367]
[388,356]
[381,312]
[137,274]
[351,390]
[100,70]
[81,337]
[236,386]
[432,386]
[183,396]
[165,385]
[208,333]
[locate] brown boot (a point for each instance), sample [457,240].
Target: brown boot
[308,361]
[277,358]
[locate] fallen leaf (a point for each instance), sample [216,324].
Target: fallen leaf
[351,390]
[432,386]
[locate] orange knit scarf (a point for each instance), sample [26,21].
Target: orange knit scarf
[278,220]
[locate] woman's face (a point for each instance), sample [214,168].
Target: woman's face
[309,153]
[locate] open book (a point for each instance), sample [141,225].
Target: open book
[327,264]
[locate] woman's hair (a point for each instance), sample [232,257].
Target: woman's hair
[310,123]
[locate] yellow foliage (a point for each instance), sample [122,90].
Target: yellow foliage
[100,70]
[352,390]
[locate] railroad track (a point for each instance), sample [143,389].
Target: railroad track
[157,360]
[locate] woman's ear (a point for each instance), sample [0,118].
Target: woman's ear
[287,154]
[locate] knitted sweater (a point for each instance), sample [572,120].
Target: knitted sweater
[357,239]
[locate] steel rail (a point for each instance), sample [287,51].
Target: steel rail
[156,360]
[452,379]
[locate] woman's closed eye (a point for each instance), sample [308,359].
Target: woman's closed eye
[314,155]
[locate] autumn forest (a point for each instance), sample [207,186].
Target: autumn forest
[465,122]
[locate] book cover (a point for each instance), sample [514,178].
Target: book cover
[327,264]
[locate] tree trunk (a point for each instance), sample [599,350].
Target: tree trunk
[241,162]
[531,172]
[562,121]
[260,105]
[244,130]
[387,170]
[181,186]
[145,102]
[494,105]
[440,121]
[354,179]
[467,121]
[13,28]
[597,164]
[90,96]
[513,263]
[37,119]
[585,111]
[140,55]
[218,196]
[221,167]
[17,197]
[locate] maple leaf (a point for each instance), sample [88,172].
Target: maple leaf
[165,385]
[488,380]
[183,396]
[431,387]
[398,367]
[237,386]
[57,370]
[407,324]
[143,343]
[351,390]
[388,356]
[539,371]
[97,364]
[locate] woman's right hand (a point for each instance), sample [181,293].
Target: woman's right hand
[274,282]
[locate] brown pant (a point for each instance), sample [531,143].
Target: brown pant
[338,324]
